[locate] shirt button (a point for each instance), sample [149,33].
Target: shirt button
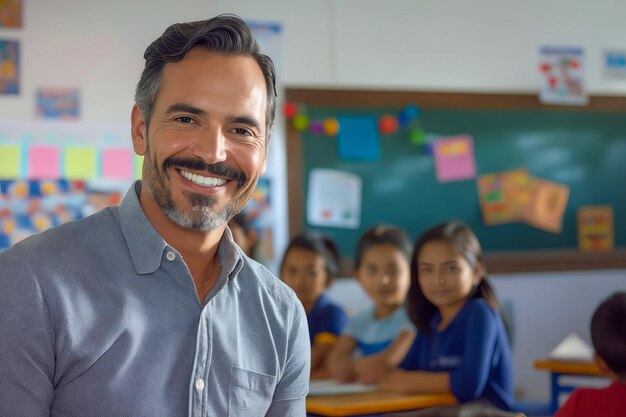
[170,256]
[199,384]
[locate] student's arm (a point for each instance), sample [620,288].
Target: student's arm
[371,369]
[27,340]
[468,381]
[334,321]
[340,362]
[319,354]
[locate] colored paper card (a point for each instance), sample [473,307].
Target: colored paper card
[454,158]
[58,103]
[595,228]
[138,166]
[334,199]
[358,139]
[615,63]
[10,13]
[44,162]
[117,163]
[547,206]
[79,163]
[504,196]
[562,71]
[9,67]
[10,161]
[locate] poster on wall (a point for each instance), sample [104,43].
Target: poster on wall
[9,67]
[334,199]
[504,196]
[58,103]
[595,227]
[562,76]
[10,14]
[454,158]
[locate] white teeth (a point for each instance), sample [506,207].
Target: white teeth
[204,181]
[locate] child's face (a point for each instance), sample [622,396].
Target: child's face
[385,275]
[444,275]
[305,272]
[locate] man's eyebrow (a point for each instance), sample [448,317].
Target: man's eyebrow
[185,108]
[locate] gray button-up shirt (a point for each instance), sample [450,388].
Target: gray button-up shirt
[101,317]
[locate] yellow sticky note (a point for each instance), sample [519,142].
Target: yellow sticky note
[10,161]
[138,166]
[79,163]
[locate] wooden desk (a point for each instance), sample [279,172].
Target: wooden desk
[558,369]
[373,402]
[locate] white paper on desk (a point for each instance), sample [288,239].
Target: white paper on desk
[572,348]
[330,387]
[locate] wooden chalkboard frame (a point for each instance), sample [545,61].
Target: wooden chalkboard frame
[501,262]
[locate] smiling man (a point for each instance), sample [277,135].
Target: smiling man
[150,308]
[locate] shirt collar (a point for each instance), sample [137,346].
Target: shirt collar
[146,245]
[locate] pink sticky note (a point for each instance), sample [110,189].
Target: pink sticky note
[117,163]
[454,158]
[44,162]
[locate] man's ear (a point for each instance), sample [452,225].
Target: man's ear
[138,130]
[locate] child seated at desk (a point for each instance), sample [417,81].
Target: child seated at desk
[608,334]
[308,267]
[383,334]
[461,346]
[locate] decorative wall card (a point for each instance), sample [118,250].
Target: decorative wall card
[614,63]
[9,67]
[10,161]
[334,199]
[595,228]
[358,139]
[454,158]
[58,103]
[79,163]
[117,163]
[562,73]
[10,14]
[504,196]
[547,206]
[44,162]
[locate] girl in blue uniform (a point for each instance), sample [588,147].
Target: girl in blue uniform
[308,267]
[383,334]
[462,346]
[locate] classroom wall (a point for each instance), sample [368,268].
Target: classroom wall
[450,45]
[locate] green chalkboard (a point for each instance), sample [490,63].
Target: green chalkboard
[585,150]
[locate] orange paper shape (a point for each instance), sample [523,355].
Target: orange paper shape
[504,196]
[595,228]
[548,203]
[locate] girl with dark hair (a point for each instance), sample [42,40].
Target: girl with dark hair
[383,334]
[462,345]
[309,265]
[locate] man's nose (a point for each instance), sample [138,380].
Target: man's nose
[211,146]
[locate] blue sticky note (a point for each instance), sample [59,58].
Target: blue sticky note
[358,138]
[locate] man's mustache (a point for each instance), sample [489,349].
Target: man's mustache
[219,169]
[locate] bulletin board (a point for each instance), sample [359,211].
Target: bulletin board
[581,147]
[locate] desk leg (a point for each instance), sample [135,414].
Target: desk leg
[556,389]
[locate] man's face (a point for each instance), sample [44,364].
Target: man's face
[205,147]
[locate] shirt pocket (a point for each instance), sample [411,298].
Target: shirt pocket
[249,391]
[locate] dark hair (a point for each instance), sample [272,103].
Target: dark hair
[465,242]
[608,332]
[225,34]
[320,244]
[382,234]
